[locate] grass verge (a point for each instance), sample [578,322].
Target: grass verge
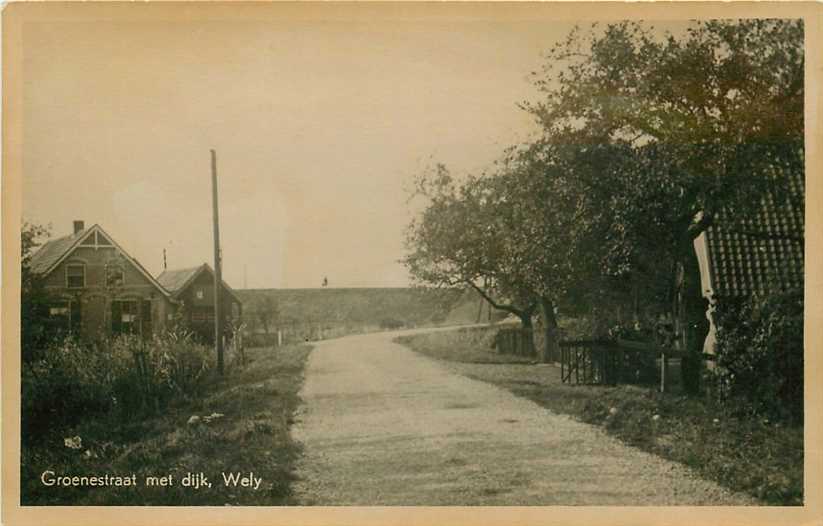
[757,457]
[256,402]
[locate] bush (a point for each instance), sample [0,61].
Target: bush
[760,355]
[121,377]
[391,323]
[261,339]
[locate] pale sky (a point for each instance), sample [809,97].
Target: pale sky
[319,121]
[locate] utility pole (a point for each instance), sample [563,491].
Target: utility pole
[218,312]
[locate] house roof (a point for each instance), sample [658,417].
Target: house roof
[177,280]
[763,253]
[53,252]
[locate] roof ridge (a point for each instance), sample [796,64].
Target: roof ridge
[181,269]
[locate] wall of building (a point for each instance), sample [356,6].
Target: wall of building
[96,296]
[199,296]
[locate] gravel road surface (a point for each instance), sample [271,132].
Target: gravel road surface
[382,425]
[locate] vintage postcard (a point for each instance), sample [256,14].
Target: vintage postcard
[411,263]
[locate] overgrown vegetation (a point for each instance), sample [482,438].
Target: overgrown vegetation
[760,356]
[236,424]
[123,376]
[758,456]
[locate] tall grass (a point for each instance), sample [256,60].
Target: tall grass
[121,377]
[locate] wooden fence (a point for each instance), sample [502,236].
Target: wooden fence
[515,340]
[605,362]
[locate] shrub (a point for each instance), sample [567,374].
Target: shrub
[68,381]
[261,339]
[760,355]
[391,323]
[121,376]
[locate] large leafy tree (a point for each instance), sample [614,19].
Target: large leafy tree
[713,118]
[461,238]
[553,215]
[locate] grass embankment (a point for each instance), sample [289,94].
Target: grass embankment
[749,455]
[257,402]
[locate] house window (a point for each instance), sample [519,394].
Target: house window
[115,277]
[128,315]
[59,310]
[131,317]
[75,276]
[124,316]
[199,294]
[65,316]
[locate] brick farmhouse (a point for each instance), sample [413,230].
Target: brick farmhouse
[97,289]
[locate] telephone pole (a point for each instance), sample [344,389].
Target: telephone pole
[218,312]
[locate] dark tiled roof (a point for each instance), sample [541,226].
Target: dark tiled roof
[42,260]
[763,253]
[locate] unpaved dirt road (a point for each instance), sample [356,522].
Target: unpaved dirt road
[382,425]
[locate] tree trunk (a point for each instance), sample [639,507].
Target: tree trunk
[691,324]
[600,329]
[527,334]
[550,337]
[525,320]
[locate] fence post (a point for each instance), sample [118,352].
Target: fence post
[664,365]
[562,364]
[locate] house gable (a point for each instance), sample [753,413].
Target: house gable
[100,257]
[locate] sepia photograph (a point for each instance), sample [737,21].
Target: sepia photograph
[451,255]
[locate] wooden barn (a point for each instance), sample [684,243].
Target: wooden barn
[193,290]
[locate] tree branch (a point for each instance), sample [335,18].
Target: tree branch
[500,306]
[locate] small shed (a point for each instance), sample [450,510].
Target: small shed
[193,289]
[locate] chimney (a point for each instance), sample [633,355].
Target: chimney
[79,226]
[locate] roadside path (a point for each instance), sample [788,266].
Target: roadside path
[382,425]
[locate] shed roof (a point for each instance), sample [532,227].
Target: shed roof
[764,253]
[177,280]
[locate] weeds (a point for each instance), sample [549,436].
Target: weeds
[242,425]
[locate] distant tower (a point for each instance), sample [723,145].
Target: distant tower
[325,281]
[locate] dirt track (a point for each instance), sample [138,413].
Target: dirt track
[382,425]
